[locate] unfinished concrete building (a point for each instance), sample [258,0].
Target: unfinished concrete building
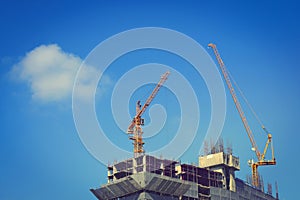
[147,177]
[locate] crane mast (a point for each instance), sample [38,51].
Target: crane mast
[261,157]
[135,127]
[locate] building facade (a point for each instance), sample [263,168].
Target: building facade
[147,178]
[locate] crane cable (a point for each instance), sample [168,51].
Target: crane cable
[247,102]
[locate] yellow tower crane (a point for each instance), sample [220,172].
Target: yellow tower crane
[260,156]
[135,128]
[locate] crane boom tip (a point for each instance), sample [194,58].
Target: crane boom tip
[212,45]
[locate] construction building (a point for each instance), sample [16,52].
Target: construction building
[147,177]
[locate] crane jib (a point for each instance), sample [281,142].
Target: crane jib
[261,157]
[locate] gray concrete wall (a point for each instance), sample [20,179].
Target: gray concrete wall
[148,196]
[246,193]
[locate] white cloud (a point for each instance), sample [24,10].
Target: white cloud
[51,73]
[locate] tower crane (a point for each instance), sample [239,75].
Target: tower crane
[261,161]
[135,127]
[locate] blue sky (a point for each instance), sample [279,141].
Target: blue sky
[41,153]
